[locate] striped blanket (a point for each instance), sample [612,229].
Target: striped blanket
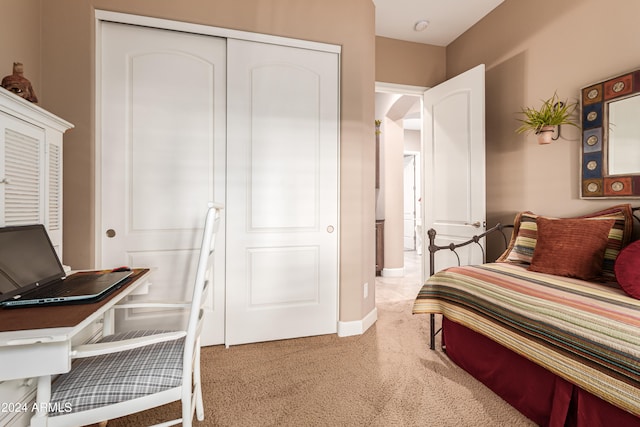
[586,333]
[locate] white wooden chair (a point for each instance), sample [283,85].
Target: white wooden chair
[133,371]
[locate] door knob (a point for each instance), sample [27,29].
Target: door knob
[330,229]
[111,233]
[475,224]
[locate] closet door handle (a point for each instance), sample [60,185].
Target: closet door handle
[475,224]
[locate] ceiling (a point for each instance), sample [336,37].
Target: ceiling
[447,19]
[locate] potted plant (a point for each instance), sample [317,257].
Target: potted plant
[544,120]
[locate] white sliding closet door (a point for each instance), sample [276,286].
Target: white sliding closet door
[162,142]
[282,188]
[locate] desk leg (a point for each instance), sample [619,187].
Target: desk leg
[43,397]
[108,323]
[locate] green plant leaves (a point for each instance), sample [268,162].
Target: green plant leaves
[553,112]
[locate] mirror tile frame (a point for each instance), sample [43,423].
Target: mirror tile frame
[595,182]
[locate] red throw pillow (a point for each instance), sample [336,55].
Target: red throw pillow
[571,247]
[523,238]
[627,269]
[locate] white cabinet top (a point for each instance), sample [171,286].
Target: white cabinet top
[30,112]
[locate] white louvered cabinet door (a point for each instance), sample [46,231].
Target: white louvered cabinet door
[31,166]
[22,170]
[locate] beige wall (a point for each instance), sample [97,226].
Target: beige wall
[59,38]
[532,49]
[409,63]
[20,39]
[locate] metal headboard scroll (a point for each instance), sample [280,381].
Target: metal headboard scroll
[433,248]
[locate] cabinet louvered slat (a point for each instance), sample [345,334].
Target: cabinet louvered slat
[55,187]
[23,175]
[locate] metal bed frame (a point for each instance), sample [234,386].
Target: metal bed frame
[433,248]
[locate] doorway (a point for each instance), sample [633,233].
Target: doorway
[453,193]
[398,198]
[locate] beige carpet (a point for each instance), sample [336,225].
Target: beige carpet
[385,377]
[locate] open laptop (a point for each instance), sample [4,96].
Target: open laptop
[31,273]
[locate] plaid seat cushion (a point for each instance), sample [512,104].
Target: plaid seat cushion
[102,380]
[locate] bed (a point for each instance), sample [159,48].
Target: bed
[553,326]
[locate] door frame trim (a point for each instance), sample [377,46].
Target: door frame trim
[401,89]
[168,24]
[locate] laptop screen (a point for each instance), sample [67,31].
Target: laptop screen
[26,257]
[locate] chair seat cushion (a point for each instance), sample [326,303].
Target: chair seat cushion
[102,380]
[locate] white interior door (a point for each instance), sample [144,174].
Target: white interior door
[282,187]
[162,141]
[454,166]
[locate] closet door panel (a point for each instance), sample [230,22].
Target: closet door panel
[162,141]
[282,198]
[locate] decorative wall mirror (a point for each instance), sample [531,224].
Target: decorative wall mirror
[611,137]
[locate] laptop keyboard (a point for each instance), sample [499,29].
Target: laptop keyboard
[48,291]
[61,288]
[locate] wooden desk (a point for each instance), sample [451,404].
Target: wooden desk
[36,341]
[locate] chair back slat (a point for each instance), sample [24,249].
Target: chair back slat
[203,279]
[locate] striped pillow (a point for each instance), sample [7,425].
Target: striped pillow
[523,239]
[525,232]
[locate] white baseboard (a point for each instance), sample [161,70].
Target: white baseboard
[357,327]
[393,272]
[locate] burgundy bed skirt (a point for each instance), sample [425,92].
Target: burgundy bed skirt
[540,395]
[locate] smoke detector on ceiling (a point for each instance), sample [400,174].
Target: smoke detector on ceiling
[421,25]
